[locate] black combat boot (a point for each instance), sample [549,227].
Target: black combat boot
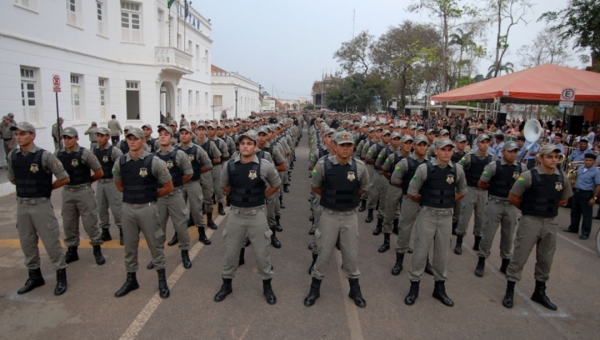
[504,266]
[369,218]
[314,293]
[454,225]
[476,244]
[61,282]
[386,243]
[286,188]
[247,242]
[220,209]
[439,292]
[363,205]
[413,293]
[428,268]
[398,265]
[163,288]
[379,227]
[281,205]
[224,291]
[274,241]
[71,255]
[312,229]
[312,265]
[311,218]
[173,241]
[539,296]
[202,236]
[98,255]
[185,259]
[105,236]
[242,259]
[268,292]
[355,293]
[458,247]
[395,230]
[209,221]
[480,267]
[121,236]
[278,227]
[508,297]
[35,280]
[129,285]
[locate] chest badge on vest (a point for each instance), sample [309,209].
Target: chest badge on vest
[450,179]
[143,172]
[191,157]
[105,159]
[74,163]
[34,168]
[169,164]
[516,175]
[558,186]
[252,174]
[351,176]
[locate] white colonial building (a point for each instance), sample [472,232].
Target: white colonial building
[233,93]
[131,58]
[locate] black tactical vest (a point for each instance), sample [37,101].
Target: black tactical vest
[473,173]
[124,146]
[150,142]
[206,147]
[196,165]
[105,158]
[440,187]
[79,173]
[413,164]
[139,184]
[247,187]
[457,156]
[341,185]
[174,169]
[30,177]
[503,180]
[541,199]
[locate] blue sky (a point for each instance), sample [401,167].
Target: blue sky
[286,44]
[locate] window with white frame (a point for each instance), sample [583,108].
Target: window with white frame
[29,95]
[197,103]
[132,94]
[131,22]
[76,96]
[178,97]
[74,12]
[206,61]
[206,102]
[197,57]
[103,90]
[28,4]
[190,101]
[101,15]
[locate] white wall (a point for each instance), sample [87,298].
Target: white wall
[224,84]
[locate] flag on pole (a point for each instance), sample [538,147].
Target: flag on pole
[170,3]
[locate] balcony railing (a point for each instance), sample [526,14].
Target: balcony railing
[174,59]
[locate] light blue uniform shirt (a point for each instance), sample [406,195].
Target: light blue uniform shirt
[587,180]
[561,147]
[534,148]
[578,155]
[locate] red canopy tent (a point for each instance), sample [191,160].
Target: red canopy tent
[538,85]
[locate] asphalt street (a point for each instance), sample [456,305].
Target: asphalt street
[89,310]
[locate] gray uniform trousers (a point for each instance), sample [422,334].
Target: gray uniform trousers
[173,205]
[374,192]
[207,193]
[93,145]
[434,225]
[144,218]
[6,149]
[392,203]
[331,224]
[192,192]
[536,232]
[408,210]
[457,211]
[251,222]
[216,179]
[317,212]
[77,201]
[475,201]
[370,170]
[36,220]
[107,195]
[498,211]
[272,207]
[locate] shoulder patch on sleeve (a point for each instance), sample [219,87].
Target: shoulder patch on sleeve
[486,174]
[165,170]
[521,180]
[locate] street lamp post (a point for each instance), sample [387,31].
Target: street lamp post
[236,92]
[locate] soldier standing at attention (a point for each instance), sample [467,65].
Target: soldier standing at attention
[217,168]
[7,135]
[460,142]
[30,169]
[537,193]
[245,178]
[339,179]
[152,143]
[137,175]
[206,179]
[56,134]
[107,194]
[76,195]
[498,178]
[476,199]
[91,131]
[436,185]
[173,205]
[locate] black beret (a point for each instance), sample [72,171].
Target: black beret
[590,155]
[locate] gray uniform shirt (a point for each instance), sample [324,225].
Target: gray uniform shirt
[276,154]
[524,183]
[361,172]
[212,147]
[267,173]
[421,176]
[92,133]
[401,168]
[222,147]
[201,156]
[466,160]
[50,164]
[114,127]
[158,168]
[490,171]
[115,153]
[182,160]
[5,131]
[87,158]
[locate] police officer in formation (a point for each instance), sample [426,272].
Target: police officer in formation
[8,137]
[217,168]
[207,178]
[249,181]
[587,190]
[79,163]
[460,143]
[137,175]
[107,194]
[30,168]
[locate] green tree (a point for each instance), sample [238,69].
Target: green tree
[507,68]
[547,47]
[354,54]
